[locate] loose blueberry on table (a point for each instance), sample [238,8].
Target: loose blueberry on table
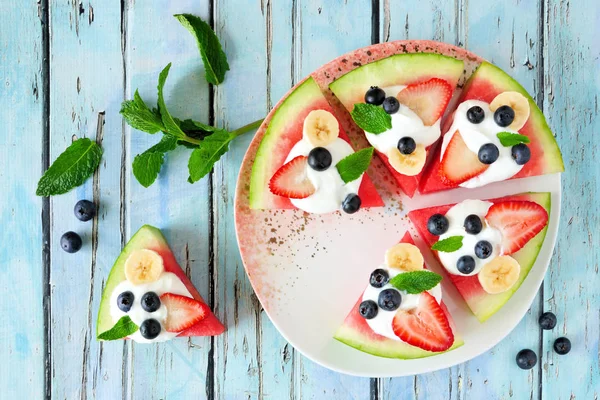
[562,345]
[71,242]
[547,321]
[526,359]
[84,210]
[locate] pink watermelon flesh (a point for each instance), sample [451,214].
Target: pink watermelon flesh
[355,332]
[481,303]
[486,83]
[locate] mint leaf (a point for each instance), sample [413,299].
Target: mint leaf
[71,169]
[139,116]
[170,125]
[213,57]
[509,139]
[146,166]
[371,118]
[448,245]
[353,166]
[123,328]
[416,282]
[209,151]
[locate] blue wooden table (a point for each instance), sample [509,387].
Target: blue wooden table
[65,67]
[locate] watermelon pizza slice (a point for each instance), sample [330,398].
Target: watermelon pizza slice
[496,133]
[148,298]
[401,313]
[305,159]
[487,247]
[399,102]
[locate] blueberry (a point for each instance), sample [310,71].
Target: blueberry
[391,105]
[562,345]
[70,242]
[465,264]
[351,203]
[407,145]
[319,159]
[150,301]
[85,210]
[504,116]
[483,249]
[368,309]
[389,299]
[437,224]
[547,321]
[125,301]
[375,96]
[473,224]
[521,153]
[379,278]
[526,359]
[475,114]
[488,153]
[150,329]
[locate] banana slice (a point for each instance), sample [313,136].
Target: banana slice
[404,256]
[408,164]
[143,266]
[517,102]
[321,128]
[499,275]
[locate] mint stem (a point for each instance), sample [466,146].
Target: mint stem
[235,133]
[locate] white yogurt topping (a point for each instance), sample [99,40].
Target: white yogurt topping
[456,219]
[167,283]
[330,188]
[475,136]
[382,323]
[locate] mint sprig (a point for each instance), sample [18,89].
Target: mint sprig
[371,118]
[146,166]
[416,282]
[509,139]
[448,245]
[123,328]
[354,165]
[71,169]
[139,116]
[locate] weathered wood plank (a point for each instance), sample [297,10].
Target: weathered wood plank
[21,269]
[571,92]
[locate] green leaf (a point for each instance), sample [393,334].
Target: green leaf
[71,169]
[448,245]
[416,282]
[123,328]
[371,118]
[509,139]
[139,116]
[353,166]
[213,57]
[170,125]
[146,166]
[209,151]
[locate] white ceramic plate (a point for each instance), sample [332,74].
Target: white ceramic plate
[309,270]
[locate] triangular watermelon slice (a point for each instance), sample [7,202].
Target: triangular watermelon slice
[356,332]
[151,238]
[485,84]
[400,69]
[481,303]
[283,132]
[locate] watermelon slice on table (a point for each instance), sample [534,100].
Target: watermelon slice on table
[485,84]
[356,332]
[481,303]
[283,132]
[403,69]
[150,238]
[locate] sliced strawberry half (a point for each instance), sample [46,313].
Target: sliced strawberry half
[291,180]
[459,163]
[518,221]
[427,99]
[183,312]
[425,327]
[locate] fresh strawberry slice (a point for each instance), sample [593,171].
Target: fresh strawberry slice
[182,312]
[291,180]
[459,164]
[427,99]
[518,221]
[425,327]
